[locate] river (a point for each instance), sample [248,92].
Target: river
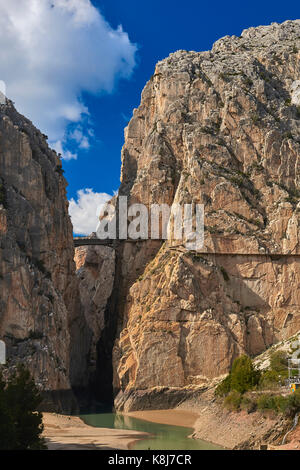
[163,436]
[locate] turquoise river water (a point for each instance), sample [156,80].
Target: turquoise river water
[163,436]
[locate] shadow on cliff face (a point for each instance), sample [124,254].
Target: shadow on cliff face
[104,383]
[59,401]
[98,394]
[101,384]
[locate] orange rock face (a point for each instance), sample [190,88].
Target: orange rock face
[219,128]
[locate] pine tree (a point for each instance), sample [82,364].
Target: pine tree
[20,422]
[244,376]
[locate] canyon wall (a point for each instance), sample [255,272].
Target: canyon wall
[219,128]
[96,271]
[41,320]
[151,322]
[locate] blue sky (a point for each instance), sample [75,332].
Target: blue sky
[97,79]
[158,28]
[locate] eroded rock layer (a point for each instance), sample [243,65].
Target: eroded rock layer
[40,314]
[221,128]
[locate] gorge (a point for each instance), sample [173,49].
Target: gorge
[147,325]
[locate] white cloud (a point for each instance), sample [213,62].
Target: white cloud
[85,144]
[82,140]
[54,50]
[85,211]
[65,154]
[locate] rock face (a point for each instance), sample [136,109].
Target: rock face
[96,273]
[153,322]
[40,314]
[221,128]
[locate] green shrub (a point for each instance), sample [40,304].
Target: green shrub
[278,362]
[291,406]
[224,387]
[281,403]
[275,375]
[59,170]
[254,118]
[269,379]
[266,402]
[248,404]
[233,400]
[244,376]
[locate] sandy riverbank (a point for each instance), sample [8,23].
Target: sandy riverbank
[175,417]
[71,433]
[210,422]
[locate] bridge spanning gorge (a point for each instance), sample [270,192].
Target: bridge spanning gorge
[113,243]
[96,241]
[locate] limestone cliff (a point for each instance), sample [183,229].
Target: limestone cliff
[151,320]
[96,275]
[221,128]
[40,314]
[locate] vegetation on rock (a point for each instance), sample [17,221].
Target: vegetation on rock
[242,377]
[246,388]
